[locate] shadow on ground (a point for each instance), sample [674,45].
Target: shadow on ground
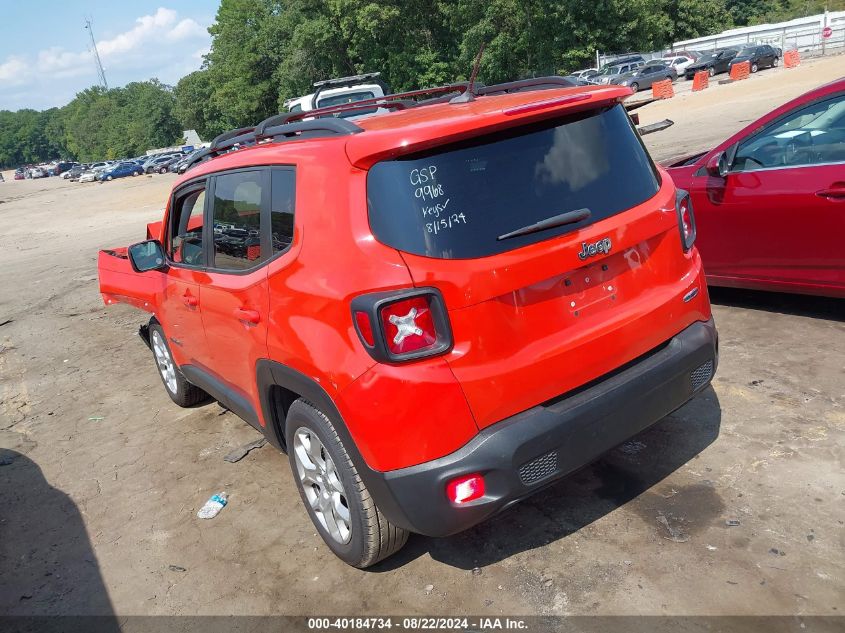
[574,502]
[826,308]
[47,563]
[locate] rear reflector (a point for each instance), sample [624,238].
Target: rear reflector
[362,320]
[465,489]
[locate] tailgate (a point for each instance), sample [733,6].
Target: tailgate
[119,283]
[556,248]
[544,322]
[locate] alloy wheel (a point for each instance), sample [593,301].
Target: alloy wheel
[165,363]
[322,485]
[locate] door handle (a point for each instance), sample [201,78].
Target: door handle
[190,300]
[834,193]
[250,316]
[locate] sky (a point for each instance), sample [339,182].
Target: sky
[44,47]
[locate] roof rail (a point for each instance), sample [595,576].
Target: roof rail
[276,128]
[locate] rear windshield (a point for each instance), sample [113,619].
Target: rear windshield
[454,202]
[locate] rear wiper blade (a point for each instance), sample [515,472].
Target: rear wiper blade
[570,217]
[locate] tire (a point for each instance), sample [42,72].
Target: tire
[136,173]
[775,62]
[711,71]
[635,87]
[367,537]
[163,170]
[109,177]
[754,68]
[180,390]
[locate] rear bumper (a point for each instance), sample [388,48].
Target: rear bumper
[524,453]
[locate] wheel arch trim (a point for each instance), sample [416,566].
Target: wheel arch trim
[271,374]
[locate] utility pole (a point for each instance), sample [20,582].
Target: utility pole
[101,73]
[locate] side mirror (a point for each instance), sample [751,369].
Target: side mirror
[145,256]
[718,165]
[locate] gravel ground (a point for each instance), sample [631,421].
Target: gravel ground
[732,505]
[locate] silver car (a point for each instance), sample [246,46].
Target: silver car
[645,76]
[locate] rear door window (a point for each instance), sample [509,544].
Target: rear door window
[454,202]
[236,210]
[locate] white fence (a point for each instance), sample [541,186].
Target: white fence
[803,34]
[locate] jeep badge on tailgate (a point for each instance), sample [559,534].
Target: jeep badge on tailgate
[589,250]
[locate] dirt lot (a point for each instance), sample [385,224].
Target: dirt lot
[103,475]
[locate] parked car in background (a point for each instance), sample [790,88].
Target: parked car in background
[611,71]
[164,167]
[62,167]
[154,163]
[693,55]
[38,172]
[763,56]
[679,63]
[19,174]
[121,170]
[584,74]
[645,76]
[181,165]
[770,200]
[88,176]
[74,172]
[714,63]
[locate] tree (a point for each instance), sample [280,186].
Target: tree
[195,108]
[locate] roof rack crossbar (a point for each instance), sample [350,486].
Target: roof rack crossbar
[225,136]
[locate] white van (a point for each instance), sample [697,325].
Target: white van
[332,92]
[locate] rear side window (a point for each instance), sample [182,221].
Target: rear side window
[281,208]
[454,202]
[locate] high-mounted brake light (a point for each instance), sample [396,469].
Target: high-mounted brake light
[465,489]
[686,218]
[402,325]
[545,103]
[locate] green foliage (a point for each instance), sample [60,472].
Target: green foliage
[267,51]
[749,12]
[97,124]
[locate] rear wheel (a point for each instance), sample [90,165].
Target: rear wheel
[136,173]
[163,170]
[335,497]
[180,390]
[776,62]
[754,68]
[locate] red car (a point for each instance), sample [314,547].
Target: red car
[770,201]
[446,308]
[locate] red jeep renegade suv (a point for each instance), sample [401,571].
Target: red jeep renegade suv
[434,311]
